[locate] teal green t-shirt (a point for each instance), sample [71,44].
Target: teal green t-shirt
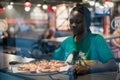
[93,46]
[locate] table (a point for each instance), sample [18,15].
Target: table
[6,58]
[6,70]
[100,76]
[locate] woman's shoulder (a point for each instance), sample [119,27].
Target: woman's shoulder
[69,38]
[97,36]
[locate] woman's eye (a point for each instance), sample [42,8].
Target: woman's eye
[78,22]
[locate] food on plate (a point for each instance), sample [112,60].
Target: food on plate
[53,68]
[28,67]
[23,67]
[43,66]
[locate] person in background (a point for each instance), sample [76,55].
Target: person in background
[50,33]
[84,45]
[4,36]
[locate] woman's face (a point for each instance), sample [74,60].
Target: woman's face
[77,23]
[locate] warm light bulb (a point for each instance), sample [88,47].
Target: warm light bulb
[54,7]
[91,3]
[9,6]
[45,6]
[27,9]
[38,5]
[27,4]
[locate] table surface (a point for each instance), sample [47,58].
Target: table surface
[6,68]
[6,58]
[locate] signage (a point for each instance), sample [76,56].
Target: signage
[115,23]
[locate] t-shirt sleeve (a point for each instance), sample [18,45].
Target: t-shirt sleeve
[59,53]
[65,48]
[103,49]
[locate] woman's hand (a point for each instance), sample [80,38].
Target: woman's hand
[79,69]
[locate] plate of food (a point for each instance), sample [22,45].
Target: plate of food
[42,67]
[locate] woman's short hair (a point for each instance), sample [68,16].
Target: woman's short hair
[81,8]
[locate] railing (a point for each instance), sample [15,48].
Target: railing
[115,49]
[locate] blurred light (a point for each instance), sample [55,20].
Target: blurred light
[11,3]
[37,9]
[85,1]
[38,5]
[27,3]
[54,7]
[111,4]
[63,6]
[12,29]
[92,3]
[108,4]
[49,8]
[45,6]
[10,6]
[97,4]
[101,6]
[107,0]
[27,9]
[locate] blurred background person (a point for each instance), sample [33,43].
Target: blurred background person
[3,35]
[50,33]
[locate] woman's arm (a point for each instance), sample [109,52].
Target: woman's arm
[105,56]
[108,66]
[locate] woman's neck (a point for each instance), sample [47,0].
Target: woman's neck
[78,37]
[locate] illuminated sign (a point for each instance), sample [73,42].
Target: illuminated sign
[115,23]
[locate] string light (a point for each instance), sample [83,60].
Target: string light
[27,9]
[27,3]
[45,6]
[10,6]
